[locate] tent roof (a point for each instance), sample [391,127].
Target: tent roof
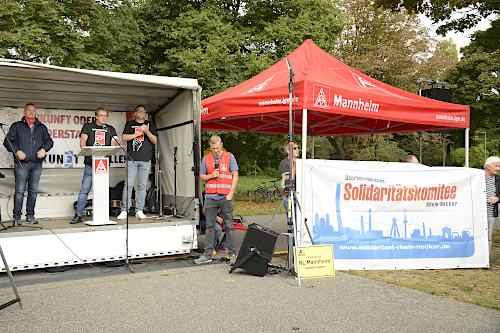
[56,87]
[339,100]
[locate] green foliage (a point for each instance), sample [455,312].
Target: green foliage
[79,33]
[388,46]
[442,11]
[477,81]
[255,153]
[222,43]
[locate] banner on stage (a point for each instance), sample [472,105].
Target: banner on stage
[64,127]
[396,215]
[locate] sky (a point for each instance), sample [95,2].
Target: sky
[461,39]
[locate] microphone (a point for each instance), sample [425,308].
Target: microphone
[216,162]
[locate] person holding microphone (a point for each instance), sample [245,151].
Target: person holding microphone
[219,171]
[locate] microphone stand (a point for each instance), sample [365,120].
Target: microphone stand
[291,139]
[127,158]
[175,182]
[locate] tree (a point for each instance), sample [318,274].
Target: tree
[443,59]
[472,11]
[78,33]
[387,46]
[477,83]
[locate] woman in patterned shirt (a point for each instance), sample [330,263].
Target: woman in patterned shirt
[491,167]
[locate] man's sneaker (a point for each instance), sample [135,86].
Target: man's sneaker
[232,259]
[16,222]
[31,220]
[203,259]
[122,216]
[140,215]
[76,219]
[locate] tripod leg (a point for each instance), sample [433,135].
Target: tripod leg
[9,274]
[240,263]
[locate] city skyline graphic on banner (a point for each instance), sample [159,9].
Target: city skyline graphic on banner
[397,238]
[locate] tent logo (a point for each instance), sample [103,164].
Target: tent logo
[101,166]
[363,83]
[259,87]
[321,96]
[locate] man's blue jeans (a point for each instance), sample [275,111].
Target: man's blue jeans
[84,191]
[26,173]
[139,169]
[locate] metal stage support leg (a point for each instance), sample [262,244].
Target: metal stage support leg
[9,274]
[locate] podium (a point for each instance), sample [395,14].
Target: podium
[100,182]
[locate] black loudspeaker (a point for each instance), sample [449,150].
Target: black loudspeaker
[441,94]
[257,250]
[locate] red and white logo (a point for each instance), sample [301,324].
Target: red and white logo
[139,130]
[100,166]
[259,87]
[223,167]
[100,138]
[321,96]
[363,83]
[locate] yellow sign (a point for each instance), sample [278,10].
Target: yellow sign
[315,261]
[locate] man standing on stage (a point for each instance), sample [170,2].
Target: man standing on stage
[29,141]
[141,136]
[219,171]
[491,168]
[285,177]
[93,134]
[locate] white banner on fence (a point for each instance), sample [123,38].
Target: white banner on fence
[64,127]
[396,215]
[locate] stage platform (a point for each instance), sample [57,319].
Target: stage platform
[55,242]
[63,223]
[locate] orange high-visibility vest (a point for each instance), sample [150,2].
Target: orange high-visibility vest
[223,183]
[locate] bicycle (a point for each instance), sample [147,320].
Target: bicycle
[266,191]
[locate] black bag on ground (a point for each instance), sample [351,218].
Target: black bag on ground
[151,205]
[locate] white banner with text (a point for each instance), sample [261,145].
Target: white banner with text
[396,215]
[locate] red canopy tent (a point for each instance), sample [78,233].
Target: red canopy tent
[338,99]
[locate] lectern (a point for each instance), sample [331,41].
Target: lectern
[100,182]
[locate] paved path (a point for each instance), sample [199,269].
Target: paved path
[208,299]
[183,298]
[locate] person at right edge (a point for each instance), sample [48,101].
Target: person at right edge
[219,171]
[285,178]
[491,167]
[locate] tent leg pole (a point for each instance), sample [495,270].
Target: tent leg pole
[302,178]
[467,131]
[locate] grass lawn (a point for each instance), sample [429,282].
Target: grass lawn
[477,286]
[247,205]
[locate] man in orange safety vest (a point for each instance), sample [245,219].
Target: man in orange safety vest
[219,171]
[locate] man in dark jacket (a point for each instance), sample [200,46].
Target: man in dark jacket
[29,141]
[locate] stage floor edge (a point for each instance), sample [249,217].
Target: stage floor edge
[39,246]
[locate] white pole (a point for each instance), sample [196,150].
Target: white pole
[467,130]
[302,175]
